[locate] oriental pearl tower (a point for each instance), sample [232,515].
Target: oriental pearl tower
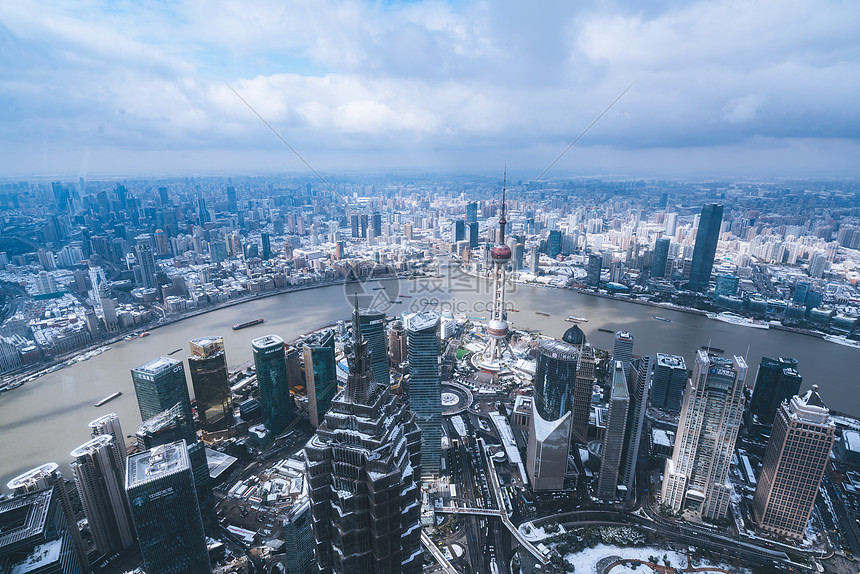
[497,326]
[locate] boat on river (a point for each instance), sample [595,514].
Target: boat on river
[735,319]
[542,314]
[108,399]
[575,319]
[238,326]
[663,319]
[842,340]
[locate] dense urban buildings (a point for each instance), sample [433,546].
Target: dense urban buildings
[271,366]
[696,477]
[110,260]
[363,469]
[794,463]
[423,385]
[207,366]
[160,490]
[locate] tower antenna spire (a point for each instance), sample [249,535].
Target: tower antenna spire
[503,220]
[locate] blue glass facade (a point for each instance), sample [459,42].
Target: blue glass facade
[423,386]
[373,329]
[706,246]
[163,502]
[270,360]
[320,375]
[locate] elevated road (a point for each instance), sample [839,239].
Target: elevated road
[437,554]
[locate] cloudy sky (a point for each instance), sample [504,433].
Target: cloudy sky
[724,87]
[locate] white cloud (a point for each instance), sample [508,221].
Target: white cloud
[465,80]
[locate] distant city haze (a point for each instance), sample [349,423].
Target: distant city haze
[47,418]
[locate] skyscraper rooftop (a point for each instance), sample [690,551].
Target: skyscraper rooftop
[153,464]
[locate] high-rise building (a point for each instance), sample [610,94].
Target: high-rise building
[99,469]
[777,380]
[553,243]
[44,522]
[160,490]
[365,509]
[584,385]
[159,384]
[472,212]
[423,385]
[661,256]
[298,535]
[458,231]
[623,350]
[614,439]
[271,364]
[670,378]
[173,425]
[551,419]
[397,350]
[592,271]
[373,329]
[320,374]
[210,380]
[146,260]
[232,200]
[638,384]
[266,241]
[36,535]
[109,424]
[706,247]
[794,464]
[696,477]
[473,234]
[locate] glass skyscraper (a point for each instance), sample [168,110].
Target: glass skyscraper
[271,363]
[320,374]
[159,384]
[706,247]
[552,417]
[777,380]
[423,385]
[670,378]
[209,378]
[160,490]
[373,329]
[555,378]
[661,256]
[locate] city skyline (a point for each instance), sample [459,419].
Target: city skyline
[720,89]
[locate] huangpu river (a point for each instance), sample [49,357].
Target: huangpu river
[47,418]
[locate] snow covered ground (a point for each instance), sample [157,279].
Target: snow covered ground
[586,561]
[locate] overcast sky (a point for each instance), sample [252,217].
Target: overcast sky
[725,88]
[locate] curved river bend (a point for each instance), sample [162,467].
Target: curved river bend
[47,418]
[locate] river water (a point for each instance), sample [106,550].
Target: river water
[46,419]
